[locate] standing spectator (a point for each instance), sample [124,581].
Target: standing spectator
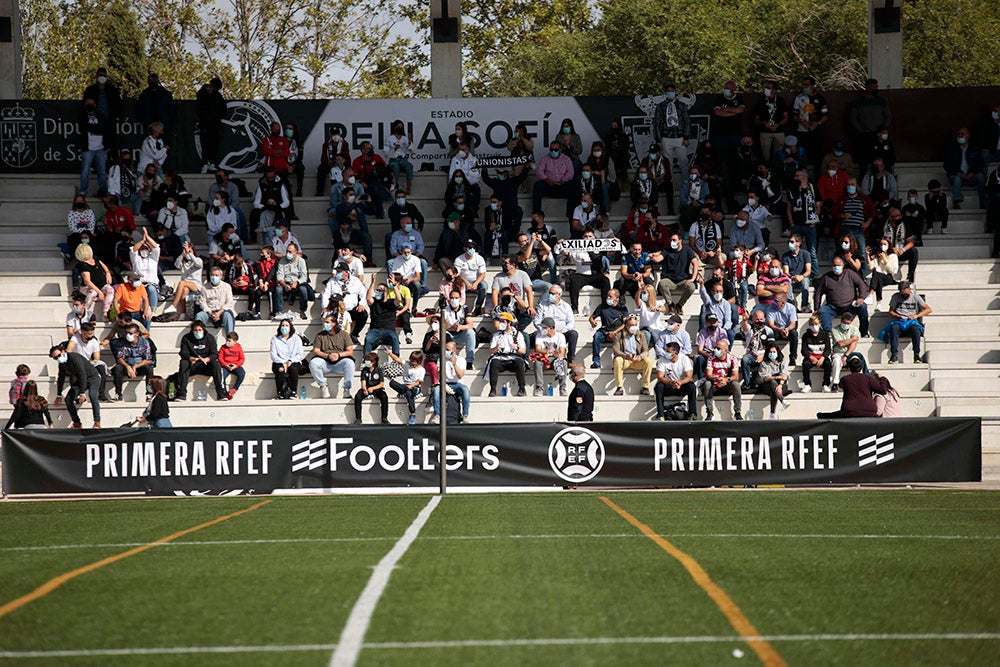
[154,149]
[232,358]
[727,126]
[94,127]
[276,148]
[454,372]
[286,360]
[570,143]
[965,167]
[693,195]
[199,356]
[884,149]
[31,411]
[905,308]
[108,99]
[397,152]
[370,169]
[521,145]
[675,377]
[678,272]
[773,375]
[812,113]
[155,105]
[212,110]
[372,385]
[722,376]
[408,385]
[936,203]
[858,388]
[333,354]
[133,359]
[383,310]
[295,153]
[554,178]
[769,118]
[84,383]
[844,291]
[705,237]
[17,385]
[604,171]
[672,128]
[218,307]
[856,213]
[869,113]
[845,339]
[507,352]
[86,344]
[617,143]
[989,136]
[803,212]
[631,353]
[816,353]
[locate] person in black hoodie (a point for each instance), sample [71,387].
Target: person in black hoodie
[95,128]
[581,399]
[199,356]
[84,382]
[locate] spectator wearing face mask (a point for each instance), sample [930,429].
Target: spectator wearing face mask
[906,308]
[406,256]
[218,306]
[650,314]
[675,377]
[549,352]
[746,234]
[154,149]
[772,283]
[344,287]
[174,219]
[124,183]
[335,157]
[714,303]
[632,354]
[84,383]
[590,271]
[674,332]
[611,317]
[231,359]
[505,187]
[722,376]
[773,375]
[678,271]
[758,214]
[561,313]
[885,270]
[131,297]
[738,269]
[797,264]
[286,360]
[133,359]
[965,167]
[783,319]
[199,356]
[471,268]
[372,386]
[554,177]
[914,217]
[507,352]
[843,291]
[333,354]
[756,336]
[708,336]
[844,343]
[467,164]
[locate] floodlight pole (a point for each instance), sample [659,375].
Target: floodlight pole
[442,397]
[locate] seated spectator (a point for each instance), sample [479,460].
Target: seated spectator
[881,188]
[857,391]
[533,256]
[245,278]
[738,269]
[224,246]
[174,218]
[677,275]
[783,319]
[914,217]
[675,377]
[773,379]
[707,158]
[505,188]
[843,291]
[145,259]
[765,185]
[223,185]
[218,307]
[335,157]
[675,332]
[832,185]
[901,241]
[157,412]
[431,347]
[119,225]
[199,356]
[153,150]
[797,264]
[631,353]
[714,302]
[885,271]
[848,250]
[887,404]
[466,163]
[231,358]
[372,386]
[283,238]
[589,271]
[507,352]
[333,354]
[371,170]
[347,289]
[636,270]
[397,152]
[454,372]
[992,211]
[965,167]
[816,353]
[383,310]
[839,153]
[554,177]
[549,353]
[770,284]
[743,233]
[650,315]
[408,385]
[693,196]
[406,250]
[286,360]
[80,220]
[844,343]
[96,280]
[561,313]
[570,142]
[883,148]
[705,237]
[130,297]
[453,240]
[905,308]
[271,197]
[521,295]
[31,411]
[171,247]
[611,315]
[149,183]
[471,268]
[84,383]
[292,279]
[652,233]
[708,336]
[604,173]
[79,314]
[545,233]
[722,376]
[661,173]
[133,359]
[756,336]
[220,213]
[936,203]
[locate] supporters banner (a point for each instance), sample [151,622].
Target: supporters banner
[43,136]
[647,454]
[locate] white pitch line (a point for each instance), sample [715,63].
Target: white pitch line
[500,643]
[557,536]
[352,637]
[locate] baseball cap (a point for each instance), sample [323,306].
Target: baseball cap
[548,322]
[675,319]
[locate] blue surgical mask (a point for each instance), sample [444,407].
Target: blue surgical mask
[554,154]
[290,256]
[838,269]
[644,297]
[448,354]
[198,335]
[289,133]
[995,115]
[852,189]
[459,207]
[407,228]
[501,177]
[494,206]
[327,326]
[567,129]
[586,175]
[610,302]
[378,295]
[149,389]
[400,201]
[643,176]
[773,356]
[671,96]
[961,141]
[717,352]
[215,280]
[471,252]
[285,330]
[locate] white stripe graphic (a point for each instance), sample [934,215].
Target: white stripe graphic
[464,643]
[568,536]
[353,635]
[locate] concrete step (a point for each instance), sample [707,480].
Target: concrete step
[964,350]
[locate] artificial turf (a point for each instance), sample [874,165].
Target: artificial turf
[508,567]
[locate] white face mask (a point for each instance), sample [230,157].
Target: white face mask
[814,328]
[633,330]
[741,223]
[217,202]
[775,272]
[717,297]
[838,269]
[130,337]
[137,283]
[751,201]
[502,326]
[693,177]
[737,255]
[792,246]
[459,180]
[351,180]
[434,326]
[885,247]
[832,172]
[644,297]
[675,245]
[455,303]
[845,245]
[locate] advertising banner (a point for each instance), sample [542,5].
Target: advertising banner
[262,459]
[43,136]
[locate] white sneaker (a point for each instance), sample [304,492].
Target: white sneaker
[435,419]
[806,388]
[324,391]
[826,389]
[785,404]
[448,390]
[943,232]
[772,416]
[870,299]
[169,309]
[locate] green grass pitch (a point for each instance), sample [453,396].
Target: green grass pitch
[849,577]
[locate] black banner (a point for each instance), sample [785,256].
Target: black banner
[262,459]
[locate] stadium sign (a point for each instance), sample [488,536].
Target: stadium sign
[625,454]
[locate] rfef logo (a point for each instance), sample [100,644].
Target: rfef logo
[576,454]
[876,449]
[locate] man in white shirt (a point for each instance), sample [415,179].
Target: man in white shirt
[469,164]
[86,344]
[283,238]
[675,377]
[408,266]
[354,265]
[454,368]
[562,315]
[460,326]
[471,269]
[584,215]
[218,306]
[342,286]
[552,344]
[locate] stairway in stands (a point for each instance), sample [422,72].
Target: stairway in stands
[956,276]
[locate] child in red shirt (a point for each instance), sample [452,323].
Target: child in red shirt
[231,358]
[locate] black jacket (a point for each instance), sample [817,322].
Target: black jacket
[111,93]
[79,371]
[103,127]
[581,403]
[206,347]
[953,159]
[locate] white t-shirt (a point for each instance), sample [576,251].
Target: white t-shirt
[449,371]
[650,319]
[88,349]
[146,267]
[408,267]
[354,265]
[506,341]
[412,373]
[470,268]
[74,320]
[675,370]
[550,346]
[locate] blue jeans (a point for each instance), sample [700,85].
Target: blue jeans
[227,320]
[748,364]
[978,180]
[409,393]
[153,291]
[320,368]
[481,294]
[803,288]
[305,293]
[466,339]
[550,261]
[140,318]
[912,331]
[858,235]
[828,311]
[600,338]
[162,422]
[400,165]
[239,373]
[376,337]
[460,390]
[99,160]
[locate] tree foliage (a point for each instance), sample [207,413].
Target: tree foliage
[951,43]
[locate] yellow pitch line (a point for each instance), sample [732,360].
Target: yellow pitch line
[56,582]
[768,656]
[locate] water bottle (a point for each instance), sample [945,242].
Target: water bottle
[302,393]
[202,396]
[503,389]
[750,415]
[549,390]
[586,310]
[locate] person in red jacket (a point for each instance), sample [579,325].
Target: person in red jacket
[371,169]
[231,358]
[276,149]
[859,391]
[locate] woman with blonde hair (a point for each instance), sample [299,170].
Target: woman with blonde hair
[650,314]
[96,279]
